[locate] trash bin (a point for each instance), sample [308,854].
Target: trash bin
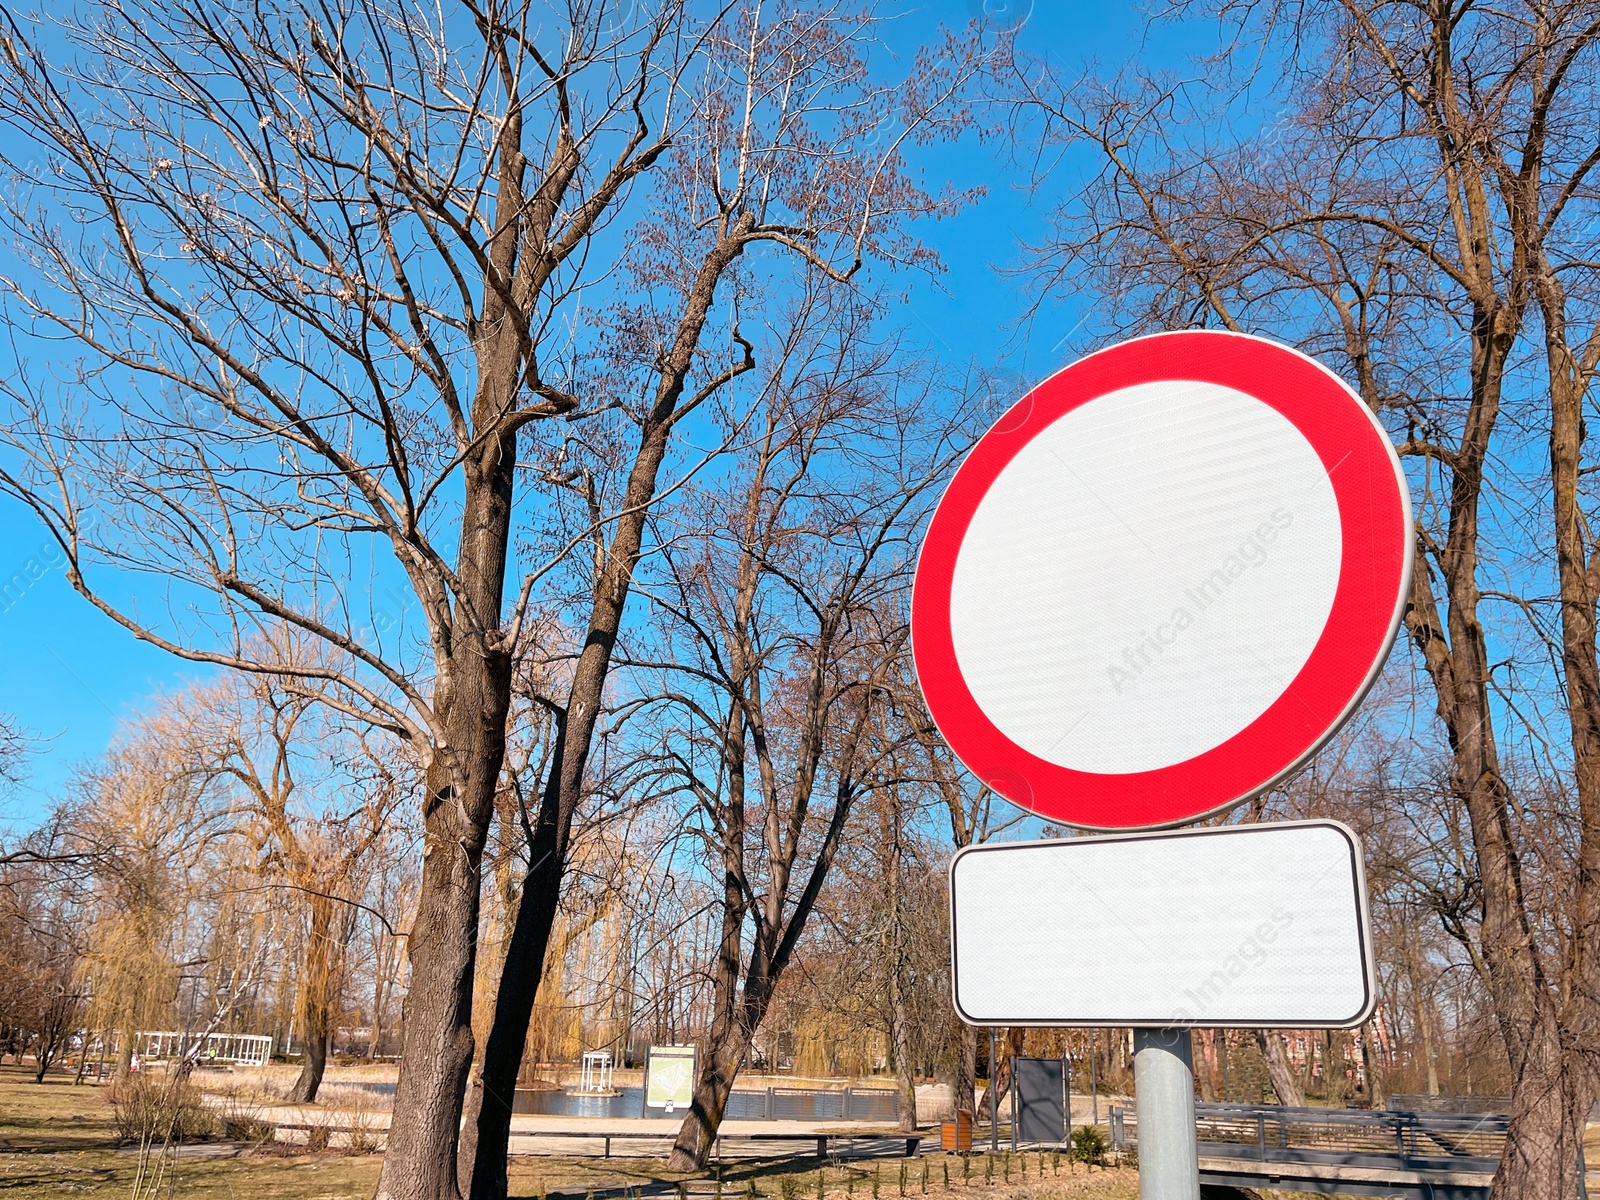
[955,1137]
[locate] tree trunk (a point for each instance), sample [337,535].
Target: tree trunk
[316,1059]
[472,698]
[729,1039]
[375,1026]
[965,1087]
[1372,1063]
[419,1162]
[899,970]
[900,1038]
[316,991]
[698,1132]
[1333,1067]
[1422,1009]
[1206,1042]
[487,1134]
[1282,1075]
[733,1023]
[1550,1102]
[1555,1076]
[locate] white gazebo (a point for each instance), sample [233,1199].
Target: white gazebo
[595,1073]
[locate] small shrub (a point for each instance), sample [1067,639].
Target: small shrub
[240,1117]
[1128,1157]
[364,1137]
[988,1169]
[786,1188]
[1089,1145]
[159,1106]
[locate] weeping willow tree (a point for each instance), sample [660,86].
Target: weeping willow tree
[160,845]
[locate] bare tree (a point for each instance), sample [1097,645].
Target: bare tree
[1431,174]
[320,800]
[43,916]
[160,846]
[315,255]
[784,616]
[314,261]
[13,750]
[971,819]
[772,153]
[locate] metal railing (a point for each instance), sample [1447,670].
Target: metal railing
[1411,1102]
[1414,1102]
[767,1104]
[1405,1140]
[810,1104]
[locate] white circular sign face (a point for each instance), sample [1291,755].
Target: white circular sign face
[1162,580]
[1170,540]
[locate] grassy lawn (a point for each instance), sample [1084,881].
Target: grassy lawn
[59,1140]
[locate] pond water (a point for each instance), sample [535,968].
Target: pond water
[551,1102]
[802,1104]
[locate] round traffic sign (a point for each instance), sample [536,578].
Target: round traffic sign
[1162,580]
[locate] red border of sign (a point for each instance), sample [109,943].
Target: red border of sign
[1375,569]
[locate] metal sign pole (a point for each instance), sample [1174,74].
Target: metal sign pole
[1163,1081]
[1094,1081]
[994,1098]
[1066,1082]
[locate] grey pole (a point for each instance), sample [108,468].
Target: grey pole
[1163,1080]
[1094,1081]
[1066,1080]
[994,1099]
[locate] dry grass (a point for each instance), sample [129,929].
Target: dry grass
[272,1083]
[60,1140]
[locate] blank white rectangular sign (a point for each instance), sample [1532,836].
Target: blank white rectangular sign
[1243,925]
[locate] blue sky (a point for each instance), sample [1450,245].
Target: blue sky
[69,674]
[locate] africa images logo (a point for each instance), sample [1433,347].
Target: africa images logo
[1250,952]
[1252,552]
